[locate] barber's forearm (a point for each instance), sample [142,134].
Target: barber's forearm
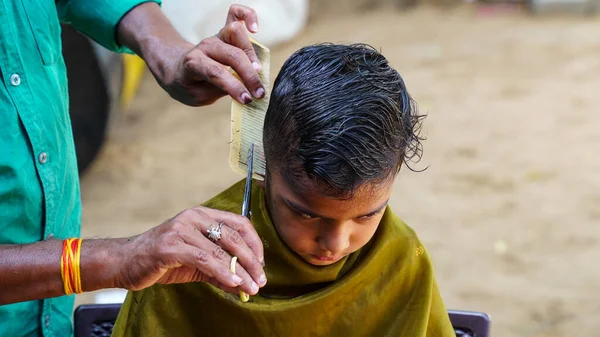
[32,271]
[149,33]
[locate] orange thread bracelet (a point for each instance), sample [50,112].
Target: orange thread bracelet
[70,268]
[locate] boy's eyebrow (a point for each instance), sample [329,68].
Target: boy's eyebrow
[302,210]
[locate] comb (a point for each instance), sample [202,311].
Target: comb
[247,123]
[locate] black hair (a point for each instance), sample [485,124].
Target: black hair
[340,116]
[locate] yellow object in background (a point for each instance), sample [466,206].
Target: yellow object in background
[133,66]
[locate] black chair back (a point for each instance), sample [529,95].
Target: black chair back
[97,320]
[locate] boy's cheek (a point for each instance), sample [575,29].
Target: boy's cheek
[363,233]
[297,238]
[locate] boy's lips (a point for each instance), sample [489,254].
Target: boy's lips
[325,258]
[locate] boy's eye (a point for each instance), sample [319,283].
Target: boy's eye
[369,216]
[301,214]
[306,216]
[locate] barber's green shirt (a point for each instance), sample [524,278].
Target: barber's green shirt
[39,186]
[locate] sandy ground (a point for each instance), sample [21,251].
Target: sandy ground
[509,207]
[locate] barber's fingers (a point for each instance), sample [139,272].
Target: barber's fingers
[203,68]
[214,262]
[230,243]
[233,242]
[240,224]
[232,47]
[243,13]
[236,35]
[209,62]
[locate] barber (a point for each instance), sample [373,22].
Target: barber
[42,258]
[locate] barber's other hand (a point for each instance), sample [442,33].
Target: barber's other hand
[199,75]
[178,251]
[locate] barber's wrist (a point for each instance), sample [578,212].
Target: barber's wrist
[163,57]
[102,261]
[147,32]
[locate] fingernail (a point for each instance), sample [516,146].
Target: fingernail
[246,98]
[237,280]
[262,280]
[256,66]
[254,287]
[254,27]
[260,93]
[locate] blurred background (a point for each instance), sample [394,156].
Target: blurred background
[509,206]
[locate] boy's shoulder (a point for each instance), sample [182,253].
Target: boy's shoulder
[395,225]
[229,200]
[395,231]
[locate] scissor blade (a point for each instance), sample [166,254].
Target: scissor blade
[248,188]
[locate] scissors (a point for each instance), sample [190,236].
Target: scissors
[248,189]
[246,209]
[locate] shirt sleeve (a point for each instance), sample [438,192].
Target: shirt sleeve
[98,19]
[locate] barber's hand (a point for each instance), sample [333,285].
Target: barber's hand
[178,251]
[199,75]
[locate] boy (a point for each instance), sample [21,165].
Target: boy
[339,126]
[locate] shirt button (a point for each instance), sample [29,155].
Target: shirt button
[47,321]
[43,158]
[15,79]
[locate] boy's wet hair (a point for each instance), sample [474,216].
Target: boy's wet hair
[340,117]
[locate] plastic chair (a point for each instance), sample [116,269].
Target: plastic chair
[97,320]
[470,323]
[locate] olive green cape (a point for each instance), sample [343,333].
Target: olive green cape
[387,288]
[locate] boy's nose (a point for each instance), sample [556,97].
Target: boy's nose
[335,241]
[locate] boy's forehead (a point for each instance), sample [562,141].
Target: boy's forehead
[313,196]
